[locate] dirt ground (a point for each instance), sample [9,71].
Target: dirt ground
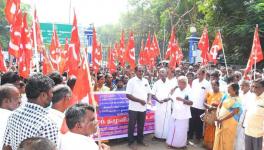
[121,144]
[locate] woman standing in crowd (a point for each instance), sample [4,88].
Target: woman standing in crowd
[100,84]
[212,101]
[228,114]
[179,123]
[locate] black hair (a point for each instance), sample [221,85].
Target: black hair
[36,84]
[99,76]
[36,143]
[235,87]
[76,113]
[56,77]
[216,82]
[9,77]
[59,92]
[260,82]
[71,82]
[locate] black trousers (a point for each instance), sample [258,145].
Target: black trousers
[136,117]
[196,124]
[252,143]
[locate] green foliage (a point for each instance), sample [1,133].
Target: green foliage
[4,27]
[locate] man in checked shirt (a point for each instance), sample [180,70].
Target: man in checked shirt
[31,120]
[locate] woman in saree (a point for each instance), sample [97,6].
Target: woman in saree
[212,100]
[228,113]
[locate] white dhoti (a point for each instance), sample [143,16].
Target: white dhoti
[177,137]
[162,117]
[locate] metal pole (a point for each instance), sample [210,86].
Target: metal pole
[35,34]
[223,52]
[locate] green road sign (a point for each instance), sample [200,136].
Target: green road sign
[63,31]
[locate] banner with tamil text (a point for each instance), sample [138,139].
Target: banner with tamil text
[113,115]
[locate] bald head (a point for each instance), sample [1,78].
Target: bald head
[10,98]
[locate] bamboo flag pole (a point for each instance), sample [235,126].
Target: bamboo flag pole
[35,34]
[223,51]
[92,96]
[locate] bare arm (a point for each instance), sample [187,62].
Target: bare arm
[186,102]
[6,147]
[133,98]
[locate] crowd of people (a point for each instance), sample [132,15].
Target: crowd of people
[193,103]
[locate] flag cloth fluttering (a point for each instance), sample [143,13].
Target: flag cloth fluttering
[203,45]
[216,47]
[130,52]
[256,54]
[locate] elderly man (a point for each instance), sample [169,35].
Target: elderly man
[255,118]
[60,102]
[161,89]
[81,121]
[31,120]
[10,99]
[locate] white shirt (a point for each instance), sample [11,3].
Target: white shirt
[247,100]
[3,122]
[172,82]
[72,141]
[138,88]
[161,89]
[180,110]
[199,90]
[56,116]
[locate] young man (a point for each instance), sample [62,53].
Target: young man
[31,120]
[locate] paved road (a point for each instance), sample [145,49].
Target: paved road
[153,145]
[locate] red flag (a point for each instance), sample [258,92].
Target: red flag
[141,57]
[75,36]
[15,36]
[25,54]
[96,53]
[47,66]
[203,45]
[64,57]
[82,87]
[115,51]
[217,46]
[155,46]
[130,52]
[73,61]
[121,53]
[11,10]
[256,54]
[147,51]
[39,40]
[111,62]
[176,55]
[55,48]
[2,61]
[170,45]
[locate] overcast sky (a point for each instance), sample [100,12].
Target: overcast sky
[99,12]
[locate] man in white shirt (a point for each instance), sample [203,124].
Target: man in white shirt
[200,87]
[161,90]
[138,92]
[60,102]
[81,121]
[9,100]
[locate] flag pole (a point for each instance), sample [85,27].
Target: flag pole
[92,96]
[255,56]
[35,34]
[223,52]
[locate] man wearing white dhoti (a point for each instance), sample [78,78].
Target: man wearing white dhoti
[161,90]
[247,98]
[179,122]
